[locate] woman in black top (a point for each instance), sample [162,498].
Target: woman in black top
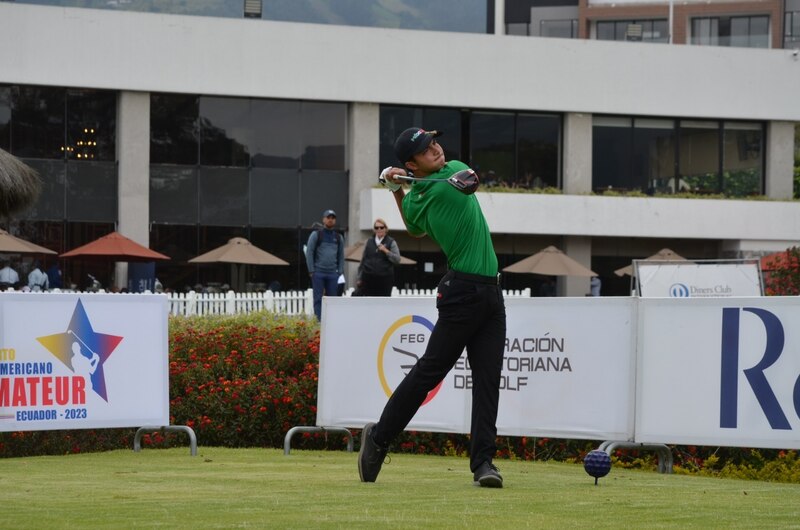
[381,254]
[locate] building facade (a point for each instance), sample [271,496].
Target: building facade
[182,131]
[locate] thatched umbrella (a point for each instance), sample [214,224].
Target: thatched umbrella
[19,184]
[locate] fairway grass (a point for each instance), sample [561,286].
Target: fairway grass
[263,488]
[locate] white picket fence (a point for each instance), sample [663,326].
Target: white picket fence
[287,302]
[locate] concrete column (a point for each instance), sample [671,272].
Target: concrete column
[363,154]
[577,171]
[779,155]
[133,157]
[499,17]
[578,248]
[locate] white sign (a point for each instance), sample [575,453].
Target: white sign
[567,372]
[70,361]
[698,280]
[719,372]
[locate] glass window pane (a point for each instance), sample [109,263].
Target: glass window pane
[759,32]
[740,31]
[173,129]
[275,197]
[517,28]
[173,194]
[469,16]
[37,122]
[659,31]
[538,141]
[224,131]
[393,121]
[556,28]
[92,191]
[653,161]
[605,31]
[91,125]
[743,159]
[223,196]
[611,153]
[492,147]
[5,118]
[276,133]
[324,129]
[699,157]
[320,190]
[50,204]
[179,242]
[449,122]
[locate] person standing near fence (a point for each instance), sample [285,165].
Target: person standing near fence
[469,301]
[381,256]
[325,260]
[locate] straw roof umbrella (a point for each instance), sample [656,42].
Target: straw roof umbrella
[19,184]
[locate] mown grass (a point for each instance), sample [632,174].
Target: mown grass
[263,488]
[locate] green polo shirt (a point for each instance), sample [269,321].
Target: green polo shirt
[453,220]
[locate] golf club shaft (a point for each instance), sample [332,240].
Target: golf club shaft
[81,340]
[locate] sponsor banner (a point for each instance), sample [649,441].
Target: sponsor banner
[81,361]
[698,280]
[719,372]
[567,372]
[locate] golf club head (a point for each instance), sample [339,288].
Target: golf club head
[466,181]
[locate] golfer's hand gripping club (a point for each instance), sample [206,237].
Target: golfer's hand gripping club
[386,180]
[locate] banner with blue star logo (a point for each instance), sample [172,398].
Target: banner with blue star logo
[79,361]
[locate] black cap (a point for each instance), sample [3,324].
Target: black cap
[413,141]
[328,213]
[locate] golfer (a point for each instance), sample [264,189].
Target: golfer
[469,302]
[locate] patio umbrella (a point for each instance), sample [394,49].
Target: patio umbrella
[356,251]
[19,184]
[239,250]
[14,245]
[117,247]
[664,254]
[551,262]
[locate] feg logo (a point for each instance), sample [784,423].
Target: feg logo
[401,346]
[729,388]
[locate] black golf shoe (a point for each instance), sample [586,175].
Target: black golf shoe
[370,455]
[487,476]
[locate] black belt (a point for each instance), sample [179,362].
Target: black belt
[491,280]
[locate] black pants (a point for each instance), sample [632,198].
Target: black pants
[374,285]
[472,315]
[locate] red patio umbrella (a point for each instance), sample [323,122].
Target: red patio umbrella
[116,247]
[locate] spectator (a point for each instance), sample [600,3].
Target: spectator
[325,260]
[38,280]
[381,255]
[8,276]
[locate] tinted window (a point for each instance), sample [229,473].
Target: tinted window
[611,153]
[469,16]
[324,131]
[223,196]
[173,194]
[173,129]
[37,122]
[699,156]
[5,118]
[743,159]
[492,147]
[92,191]
[538,155]
[91,125]
[277,133]
[50,204]
[224,131]
[275,197]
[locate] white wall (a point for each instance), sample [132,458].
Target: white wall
[592,215]
[207,55]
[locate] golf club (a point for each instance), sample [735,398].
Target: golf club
[466,181]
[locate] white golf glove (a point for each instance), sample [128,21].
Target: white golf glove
[386,183]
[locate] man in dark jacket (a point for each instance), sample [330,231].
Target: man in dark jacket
[325,260]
